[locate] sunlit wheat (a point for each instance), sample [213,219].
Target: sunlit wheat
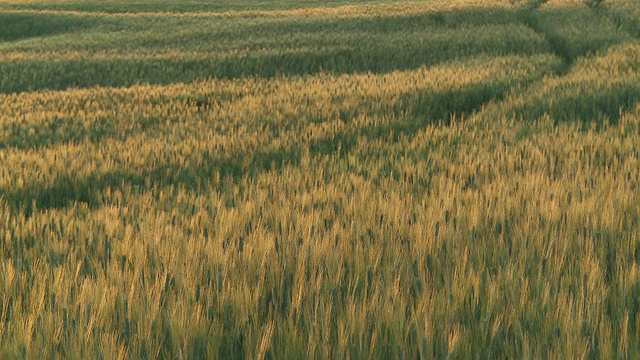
[457,180]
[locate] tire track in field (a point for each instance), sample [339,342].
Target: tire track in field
[406,117]
[588,47]
[528,19]
[573,32]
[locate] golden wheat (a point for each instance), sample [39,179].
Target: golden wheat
[485,206]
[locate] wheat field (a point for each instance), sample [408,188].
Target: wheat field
[319,180]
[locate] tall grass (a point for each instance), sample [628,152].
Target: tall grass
[481,205]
